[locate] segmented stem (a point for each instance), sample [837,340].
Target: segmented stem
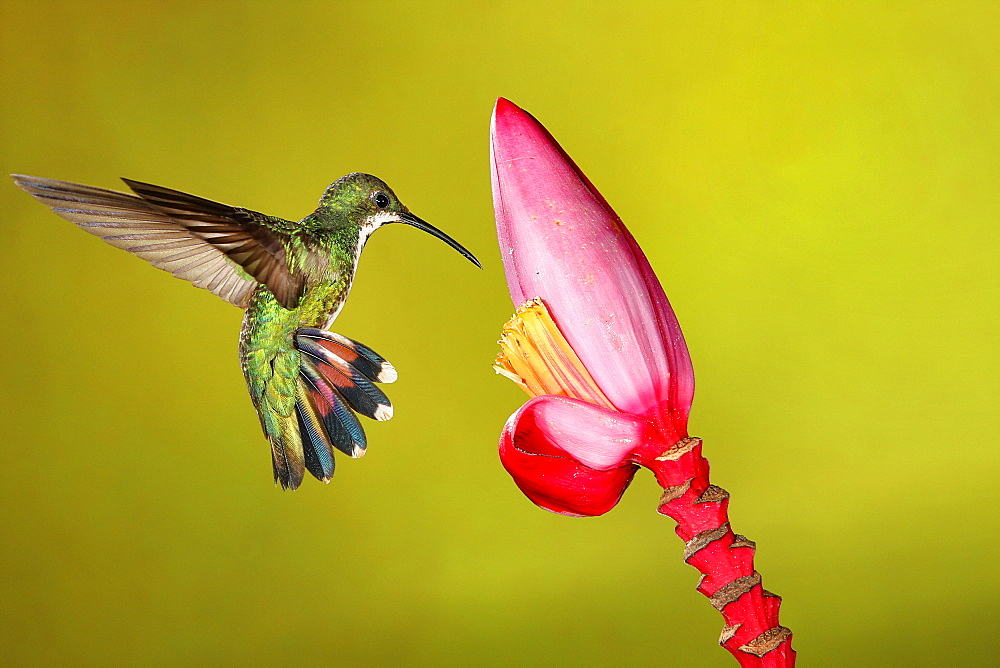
[725,559]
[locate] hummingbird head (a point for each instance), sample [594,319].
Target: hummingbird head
[367,202]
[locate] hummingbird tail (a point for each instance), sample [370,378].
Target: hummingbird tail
[307,384]
[336,379]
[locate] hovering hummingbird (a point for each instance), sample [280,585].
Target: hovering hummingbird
[292,278]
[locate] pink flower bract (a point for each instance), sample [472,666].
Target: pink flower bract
[562,242]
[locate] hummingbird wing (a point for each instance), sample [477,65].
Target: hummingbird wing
[226,250]
[253,240]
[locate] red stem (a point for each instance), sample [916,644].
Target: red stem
[725,558]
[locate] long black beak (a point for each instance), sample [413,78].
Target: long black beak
[410,219]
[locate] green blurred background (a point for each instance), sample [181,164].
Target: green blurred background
[816,185]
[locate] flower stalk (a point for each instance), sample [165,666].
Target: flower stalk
[596,345]
[725,559]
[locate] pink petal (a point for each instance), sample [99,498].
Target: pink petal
[569,456]
[562,242]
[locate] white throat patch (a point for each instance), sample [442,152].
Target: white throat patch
[372,223]
[369,225]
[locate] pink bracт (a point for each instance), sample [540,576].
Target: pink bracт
[596,344]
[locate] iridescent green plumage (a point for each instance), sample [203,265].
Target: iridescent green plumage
[292,278]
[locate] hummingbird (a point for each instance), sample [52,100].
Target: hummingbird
[292,278]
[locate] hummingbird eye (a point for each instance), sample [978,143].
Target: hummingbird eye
[381,200]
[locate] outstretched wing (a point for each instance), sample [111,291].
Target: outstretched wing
[226,250]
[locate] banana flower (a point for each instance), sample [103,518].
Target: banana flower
[596,345]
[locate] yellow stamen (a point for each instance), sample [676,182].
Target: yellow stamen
[535,355]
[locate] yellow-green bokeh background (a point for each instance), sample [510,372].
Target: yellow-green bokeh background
[816,185]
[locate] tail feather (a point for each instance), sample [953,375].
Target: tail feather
[359,392]
[287,456]
[316,445]
[365,361]
[343,430]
